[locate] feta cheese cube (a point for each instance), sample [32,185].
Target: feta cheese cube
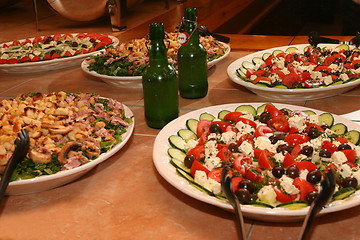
[262,143]
[339,158]
[297,122]
[246,148]
[212,162]
[228,137]
[287,184]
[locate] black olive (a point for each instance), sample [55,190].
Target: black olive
[188,161]
[311,196]
[215,128]
[307,150]
[324,126]
[349,182]
[313,132]
[337,61]
[314,176]
[247,185]
[233,148]
[74,44]
[278,171]
[243,195]
[48,40]
[297,85]
[92,40]
[357,65]
[284,148]
[273,139]
[325,153]
[293,172]
[284,111]
[347,53]
[343,146]
[264,117]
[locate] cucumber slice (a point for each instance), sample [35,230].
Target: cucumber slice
[337,83]
[309,112]
[187,134]
[260,204]
[177,142]
[263,84]
[281,86]
[339,128]
[222,114]
[191,124]
[342,47]
[326,119]
[257,61]
[261,108]
[246,109]
[240,74]
[177,154]
[192,181]
[307,48]
[294,205]
[247,64]
[291,49]
[276,52]
[179,164]
[265,56]
[343,193]
[353,136]
[206,116]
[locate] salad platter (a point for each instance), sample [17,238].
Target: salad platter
[123,67]
[65,142]
[51,52]
[259,207]
[298,72]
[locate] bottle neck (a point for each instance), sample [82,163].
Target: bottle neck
[190,27]
[158,52]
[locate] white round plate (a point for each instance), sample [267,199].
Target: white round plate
[47,182]
[168,172]
[136,81]
[48,65]
[288,94]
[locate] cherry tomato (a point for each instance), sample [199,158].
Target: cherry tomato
[198,152]
[247,121]
[280,123]
[272,110]
[203,127]
[263,130]
[264,160]
[296,139]
[329,146]
[197,166]
[288,160]
[283,197]
[304,187]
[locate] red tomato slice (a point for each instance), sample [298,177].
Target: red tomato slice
[263,130]
[16,43]
[350,155]
[47,57]
[264,160]
[293,130]
[67,54]
[296,139]
[280,123]
[288,160]
[225,126]
[257,152]
[197,166]
[341,139]
[304,187]
[268,61]
[290,79]
[198,152]
[305,165]
[272,110]
[247,121]
[35,59]
[225,154]
[37,39]
[12,61]
[240,163]
[260,73]
[296,151]
[254,173]
[329,146]
[55,55]
[314,125]
[216,174]
[283,197]
[249,72]
[235,182]
[3,61]
[232,116]
[261,78]
[325,69]
[246,137]
[25,59]
[203,127]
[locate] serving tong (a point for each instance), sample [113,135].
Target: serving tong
[21,149]
[315,39]
[326,192]
[204,31]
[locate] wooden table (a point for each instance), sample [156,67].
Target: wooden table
[125,197]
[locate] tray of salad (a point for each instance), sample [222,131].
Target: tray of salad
[70,133]
[51,52]
[277,155]
[124,64]
[299,72]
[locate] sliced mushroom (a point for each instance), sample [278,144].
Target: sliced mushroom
[91,149]
[39,157]
[57,128]
[63,154]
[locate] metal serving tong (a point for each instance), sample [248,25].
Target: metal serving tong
[21,149]
[326,192]
[204,31]
[315,39]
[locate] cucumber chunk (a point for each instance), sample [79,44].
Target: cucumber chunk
[276,52]
[191,124]
[187,134]
[257,61]
[280,86]
[291,49]
[206,116]
[247,64]
[309,112]
[343,193]
[222,114]
[265,56]
[177,154]
[339,128]
[240,74]
[353,136]
[294,205]
[327,119]
[246,109]
[177,142]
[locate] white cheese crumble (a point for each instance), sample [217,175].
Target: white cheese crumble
[287,184]
[297,122]
[244,128]
[339,158]
[246,148]
[228,137]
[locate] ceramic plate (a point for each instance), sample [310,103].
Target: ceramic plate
[47,182]
[48,65]
[288,94]
[168,172]
[135,81]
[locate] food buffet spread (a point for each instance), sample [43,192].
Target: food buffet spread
[272,117]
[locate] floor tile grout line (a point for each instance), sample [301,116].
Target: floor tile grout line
[18,85]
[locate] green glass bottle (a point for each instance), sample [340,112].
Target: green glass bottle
[192,60]
[159,81]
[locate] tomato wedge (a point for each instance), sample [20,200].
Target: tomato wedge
[283,197]
[296,139]
[263,130]
[304,187]
[305,165]
[264,160]
[280,123]
[232,116]
[247,121]
[197,152]
[288,160]
[197,166]
[203,127]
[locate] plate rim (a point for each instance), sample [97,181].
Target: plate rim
[169,172]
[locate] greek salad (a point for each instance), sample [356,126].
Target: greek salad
[310,67]
[277,157]
[52,47]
